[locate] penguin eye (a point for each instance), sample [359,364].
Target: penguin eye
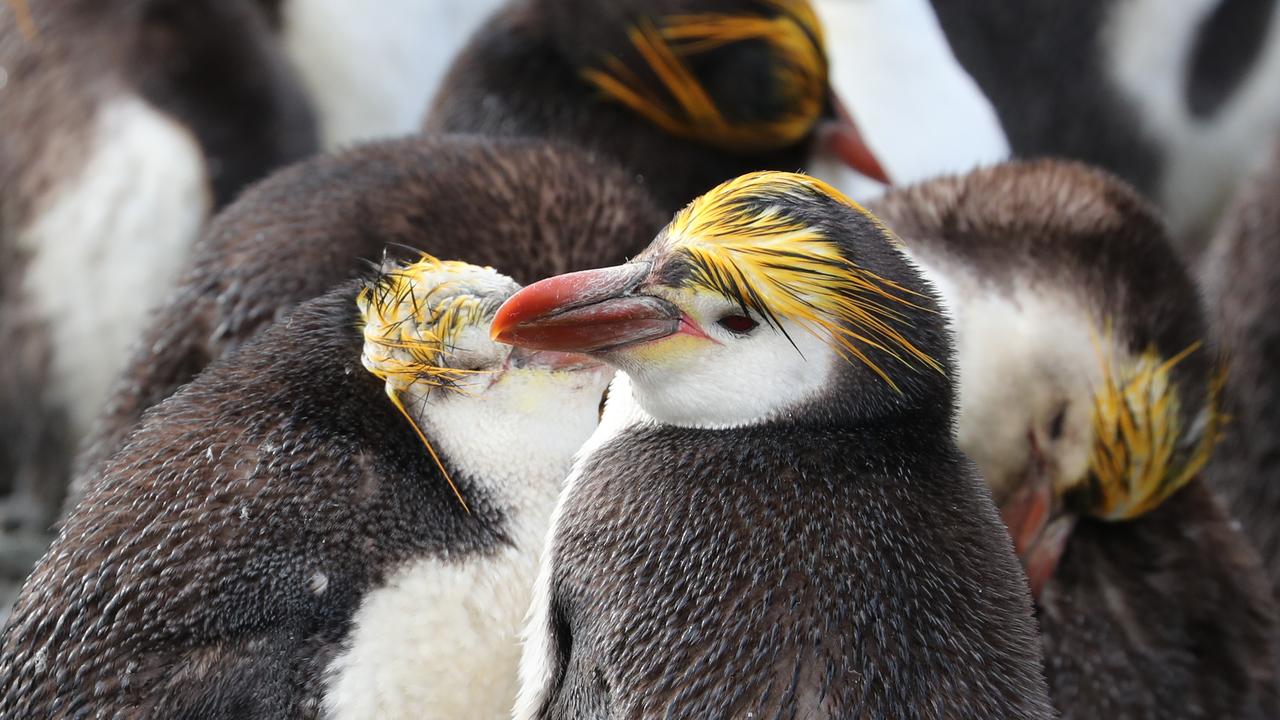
[1059,420]
[737,324]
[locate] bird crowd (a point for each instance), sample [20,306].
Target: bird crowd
[605,359]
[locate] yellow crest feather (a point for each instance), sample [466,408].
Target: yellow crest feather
[684,108]
[1142,454]
[774,264]
[410,324]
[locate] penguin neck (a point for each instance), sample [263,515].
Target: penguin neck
[516,457]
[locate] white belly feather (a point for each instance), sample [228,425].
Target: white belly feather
[108,244]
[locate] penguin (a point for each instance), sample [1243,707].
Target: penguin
[1172,97]
[732,545]
[125,123]
[1090,399]
[684,93]
[1242,292]
[529,207]
[341,520]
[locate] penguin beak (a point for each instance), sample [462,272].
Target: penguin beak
[1037,523]
[524,358]
[594,311]
[840,136]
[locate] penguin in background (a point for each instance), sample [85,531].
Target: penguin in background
[1242,291]
[123,124]
[1089,397]
[1174,97]
[529,207]
[341,520]
[729,545]
[683,93]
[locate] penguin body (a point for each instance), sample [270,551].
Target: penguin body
[1241,292]
[1073,317]
[732,546]
[295,535]
[528,72]
[125,122]
[528,207]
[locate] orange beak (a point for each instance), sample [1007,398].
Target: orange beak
[1039,529]
[593,311]
[841,137]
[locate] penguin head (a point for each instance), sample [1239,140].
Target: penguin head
[481,408]
[742,76]
[772,296]
[1086,389]
[1109,440]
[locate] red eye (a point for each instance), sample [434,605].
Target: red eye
[740,324]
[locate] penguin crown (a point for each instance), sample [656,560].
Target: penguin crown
[668,93]
[745,241]
[1142,453]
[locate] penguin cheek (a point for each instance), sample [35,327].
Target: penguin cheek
[674,354]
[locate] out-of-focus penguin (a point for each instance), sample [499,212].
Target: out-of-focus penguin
[683,93]
[123,123]
[1241,282]
[1090,400]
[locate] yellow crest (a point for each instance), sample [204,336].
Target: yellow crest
[683,107]
[412,316]
[742,246]
[1142,454]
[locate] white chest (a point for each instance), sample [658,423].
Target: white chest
[441,640]
[108,244]
[918,109]
[373,68]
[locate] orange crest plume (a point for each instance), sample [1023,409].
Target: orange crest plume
[412,316]
[1142,453]
[683,107]
[767,261]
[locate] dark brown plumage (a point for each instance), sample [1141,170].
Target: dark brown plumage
[186,587]
[1164,615]
[527,208]
[1241,281]
[522,75]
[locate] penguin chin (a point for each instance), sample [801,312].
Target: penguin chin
[520,428]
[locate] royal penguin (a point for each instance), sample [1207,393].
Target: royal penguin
[773,519]
[124,124]
[531,208]
[1090,398]
[1241,285]
[683,93]
[341,520]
